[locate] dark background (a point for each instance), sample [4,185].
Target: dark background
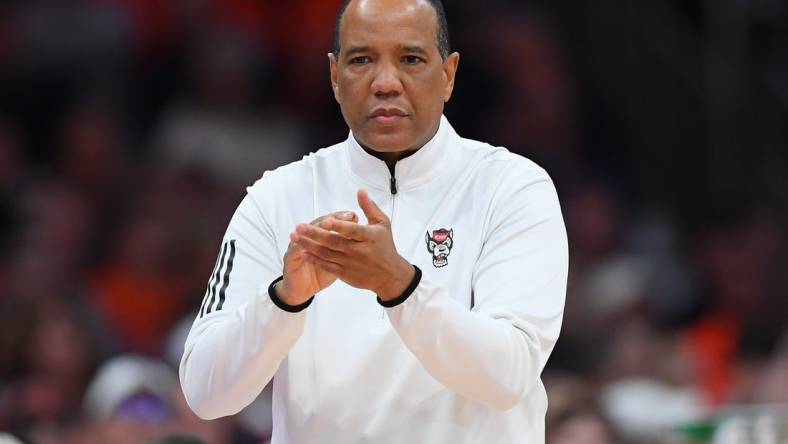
[129,129]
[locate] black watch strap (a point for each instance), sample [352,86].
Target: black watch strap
[405,294]
[279,303]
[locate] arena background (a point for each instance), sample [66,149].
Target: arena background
[130,128]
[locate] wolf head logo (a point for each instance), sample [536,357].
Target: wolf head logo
[439,245]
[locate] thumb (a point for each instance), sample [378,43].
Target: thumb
[371,210]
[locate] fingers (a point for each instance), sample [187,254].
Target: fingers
[339,215]
[294,257]
[323,264]
[348,216]
[323,236]
[349,230]
[298,248]
[371,210]
[311,247]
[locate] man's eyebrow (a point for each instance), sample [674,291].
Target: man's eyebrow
[356,50]
[412,48]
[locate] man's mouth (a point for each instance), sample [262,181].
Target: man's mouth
[388,120]
[388,115]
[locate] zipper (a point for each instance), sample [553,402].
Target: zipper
[393,189]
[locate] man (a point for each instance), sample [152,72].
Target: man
[430,317]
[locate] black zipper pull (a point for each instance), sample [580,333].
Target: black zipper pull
[393,185]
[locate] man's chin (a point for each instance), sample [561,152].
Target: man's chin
[386,143]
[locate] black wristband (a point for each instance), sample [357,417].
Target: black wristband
[405,294]
[279,303]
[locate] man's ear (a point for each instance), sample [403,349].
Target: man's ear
[449,73]
[332,67]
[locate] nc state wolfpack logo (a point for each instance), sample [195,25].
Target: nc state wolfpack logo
[439,244]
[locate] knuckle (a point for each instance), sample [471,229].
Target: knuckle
[329,242]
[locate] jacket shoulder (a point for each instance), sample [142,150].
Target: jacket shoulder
[295,177]
[498,161]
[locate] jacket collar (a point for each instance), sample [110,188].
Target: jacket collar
[419,168]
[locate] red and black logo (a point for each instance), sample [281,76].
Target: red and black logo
[439,244]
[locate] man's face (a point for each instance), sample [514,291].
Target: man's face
[389,78]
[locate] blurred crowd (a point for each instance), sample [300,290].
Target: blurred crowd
[129,130]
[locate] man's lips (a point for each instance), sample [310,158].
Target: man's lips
[387,115]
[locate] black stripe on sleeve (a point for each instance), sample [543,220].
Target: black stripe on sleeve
[227,275]
[210,282]
[215,280]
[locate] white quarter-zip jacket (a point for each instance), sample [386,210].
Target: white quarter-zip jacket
[458,361]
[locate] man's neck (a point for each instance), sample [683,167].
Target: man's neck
[389,158]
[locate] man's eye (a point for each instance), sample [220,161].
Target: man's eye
[411,60]
[362,60]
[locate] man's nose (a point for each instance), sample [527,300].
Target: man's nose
[387,82]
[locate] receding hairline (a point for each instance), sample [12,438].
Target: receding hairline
[441,26]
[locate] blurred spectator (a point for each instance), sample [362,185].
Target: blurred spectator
[134,399]
[138,291]
[92,153]
[771,383]
[582,427]
[56,366]
[641,410]
[573,416]
[744,315]
[216,131]
[533,108]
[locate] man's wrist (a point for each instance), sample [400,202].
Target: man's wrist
[280,293]
[275,292]
[398,282]
[415,279]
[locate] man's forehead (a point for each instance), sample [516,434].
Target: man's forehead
[379,18]
[387,6]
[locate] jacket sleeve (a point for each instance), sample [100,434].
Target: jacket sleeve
[494,353]
[239,337]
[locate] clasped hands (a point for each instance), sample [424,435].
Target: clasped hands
[336,246]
